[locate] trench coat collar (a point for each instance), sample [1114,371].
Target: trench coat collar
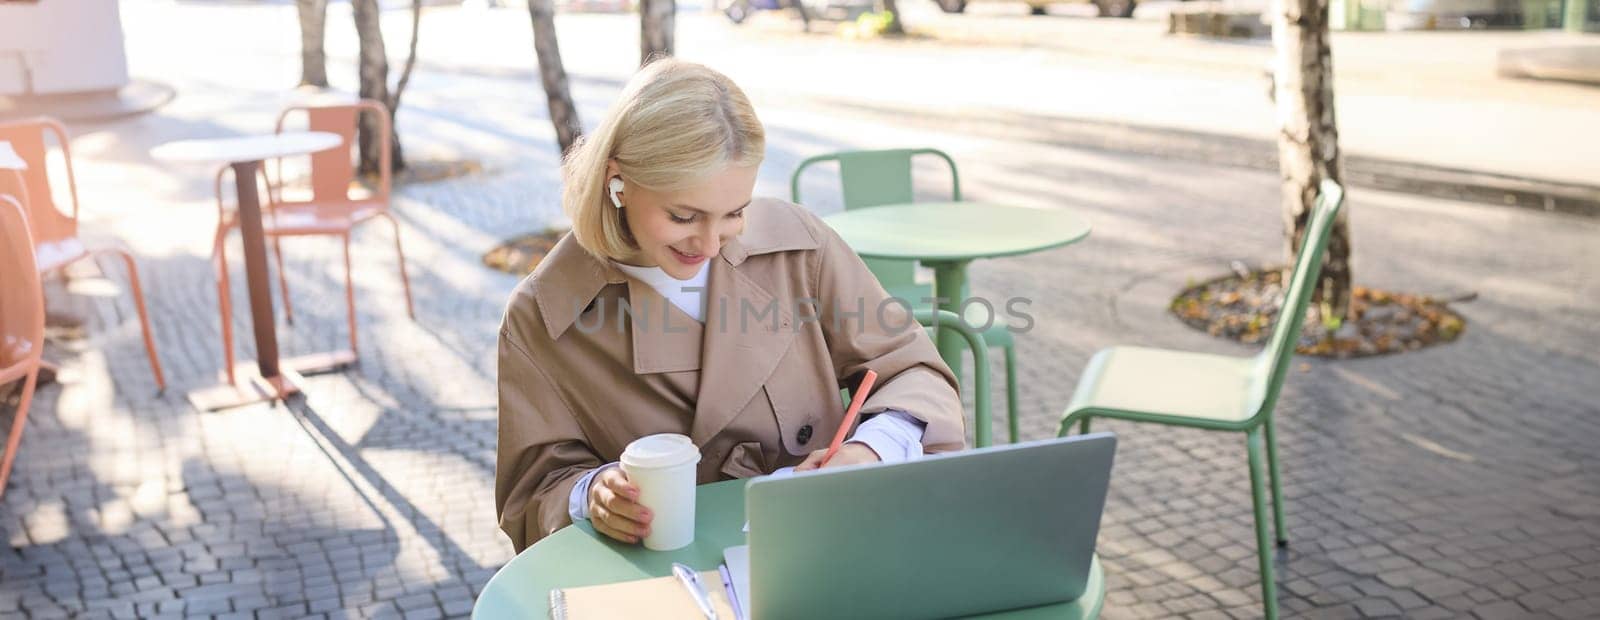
[567,281]
[665,338]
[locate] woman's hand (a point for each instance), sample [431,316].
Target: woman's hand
[851,453]
[614,507]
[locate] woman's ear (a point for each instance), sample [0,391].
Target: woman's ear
[614,184]
[613,187]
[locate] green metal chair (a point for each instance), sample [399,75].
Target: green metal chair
[981,417]
[882,177]
[1216,392]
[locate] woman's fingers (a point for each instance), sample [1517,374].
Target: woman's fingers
[852,453]
[620,513]
[601,526]
[613,510]
[622,498]
[600,513]
[617,481]
[617,504]
[813,461]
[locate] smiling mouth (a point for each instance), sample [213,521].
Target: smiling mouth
[685,256]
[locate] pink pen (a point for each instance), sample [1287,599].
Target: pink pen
[850,415]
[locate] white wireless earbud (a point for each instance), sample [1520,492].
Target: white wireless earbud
[615,186]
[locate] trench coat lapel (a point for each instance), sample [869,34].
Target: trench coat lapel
[738,356]
[665,339]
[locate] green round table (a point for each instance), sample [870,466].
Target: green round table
[578,556]
[946,236]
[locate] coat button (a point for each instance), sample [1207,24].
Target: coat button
[804,436]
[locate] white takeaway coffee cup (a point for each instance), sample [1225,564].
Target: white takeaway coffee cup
[663,467]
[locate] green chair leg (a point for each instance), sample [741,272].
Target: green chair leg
[1269,588]
[1011,391]
[1277,488]
[1083,426]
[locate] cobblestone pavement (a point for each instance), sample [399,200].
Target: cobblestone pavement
[1456,481]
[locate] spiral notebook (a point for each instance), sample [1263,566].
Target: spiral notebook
[659,597]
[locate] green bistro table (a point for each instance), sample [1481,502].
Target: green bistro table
[946,236]
[578,556]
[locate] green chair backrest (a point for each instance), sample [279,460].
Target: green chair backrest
[876,178]
[1272,364]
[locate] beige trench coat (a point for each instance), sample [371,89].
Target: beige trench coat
[756,386]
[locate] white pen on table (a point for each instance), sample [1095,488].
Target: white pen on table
[691,580]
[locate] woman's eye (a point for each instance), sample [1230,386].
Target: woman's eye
[737,214]
[680,220]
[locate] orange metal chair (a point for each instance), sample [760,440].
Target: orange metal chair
[21,319]
[335,206]
[55,233]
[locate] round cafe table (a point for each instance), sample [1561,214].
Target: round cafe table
[271,380]
[947,236]
[578,556]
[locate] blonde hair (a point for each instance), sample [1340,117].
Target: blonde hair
[676,124]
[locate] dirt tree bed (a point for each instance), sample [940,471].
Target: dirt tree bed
[1244,307]
[520,254]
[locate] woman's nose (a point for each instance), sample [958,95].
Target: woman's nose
[709,241]
[727,231]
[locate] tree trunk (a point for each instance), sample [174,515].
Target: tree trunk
[374,73]
[411,60]
[805,15]
[553,75]
[895,26]
[1308,139]
[313,23]
[655,28]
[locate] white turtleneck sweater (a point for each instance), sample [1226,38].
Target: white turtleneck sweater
[685,294]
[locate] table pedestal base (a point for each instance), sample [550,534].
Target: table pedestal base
[253,388]
[949,287]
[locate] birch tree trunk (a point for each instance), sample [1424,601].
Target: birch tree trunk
[805,15]
[313,24]
[374,73]
[411,61]
[656,24]
[553,75]
[895,26]
[1308,139]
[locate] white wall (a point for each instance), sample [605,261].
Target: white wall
[61,46]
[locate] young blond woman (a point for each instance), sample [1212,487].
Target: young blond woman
[681,304]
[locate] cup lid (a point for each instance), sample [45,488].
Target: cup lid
[661,450]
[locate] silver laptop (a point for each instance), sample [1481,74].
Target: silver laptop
[948,535]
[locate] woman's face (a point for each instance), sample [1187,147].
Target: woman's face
[679,231]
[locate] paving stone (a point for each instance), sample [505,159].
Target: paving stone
[296,610]
[425,613]
[201,605]
[1432,613]
[1501,610]
[456,608]
[1377,607]
[1588,608]
[383,609]
[1407,600]
[324,605]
